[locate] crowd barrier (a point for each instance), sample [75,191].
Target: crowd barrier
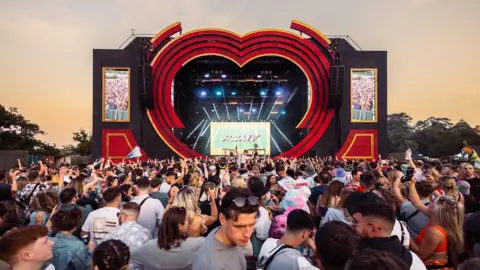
[116,115]
[362,115]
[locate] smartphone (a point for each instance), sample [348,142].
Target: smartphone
[409,174]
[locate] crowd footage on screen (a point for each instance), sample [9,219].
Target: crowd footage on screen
[245,212]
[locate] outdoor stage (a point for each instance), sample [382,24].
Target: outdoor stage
[208,91]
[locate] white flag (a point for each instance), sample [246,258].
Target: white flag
[134,153]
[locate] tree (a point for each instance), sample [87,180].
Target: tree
[433,137]
[399,130]
[429,132]
[16,132]
[84,144]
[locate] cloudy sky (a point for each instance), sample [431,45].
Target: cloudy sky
[46,48]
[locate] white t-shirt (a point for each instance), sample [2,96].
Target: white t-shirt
[417,264]
[151,213]
[101,222]
[262,226]
[165,187]
[397,231]
[300,182]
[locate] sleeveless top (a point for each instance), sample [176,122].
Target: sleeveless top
[440,248]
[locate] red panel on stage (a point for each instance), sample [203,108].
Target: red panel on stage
[360,144]
[117,143]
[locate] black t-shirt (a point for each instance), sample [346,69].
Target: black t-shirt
[474,187]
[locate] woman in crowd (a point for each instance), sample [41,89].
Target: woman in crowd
[272,185]
[198,223]
[448,186]
[127,193]
[440,243]
[111,255]
[338,212]
[173,249]
[330,198]
[43,202]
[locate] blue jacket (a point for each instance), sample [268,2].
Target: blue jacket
[70,253]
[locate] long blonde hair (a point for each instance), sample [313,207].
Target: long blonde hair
[195,180]
[449,214]
[187,198]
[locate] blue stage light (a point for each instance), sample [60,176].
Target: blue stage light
[207,75]
[263,93]
[283,112]
[278,93]
[254,110]
[218,93]
[233,93]
[241,110]
[203,93]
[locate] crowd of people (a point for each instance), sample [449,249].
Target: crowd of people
[245,212]
[117,91]
[363,92]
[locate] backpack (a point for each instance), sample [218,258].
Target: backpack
[264,261]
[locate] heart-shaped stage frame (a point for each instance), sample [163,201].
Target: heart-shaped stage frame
[311,55]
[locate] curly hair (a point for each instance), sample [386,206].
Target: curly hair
[111,254]
[44,201]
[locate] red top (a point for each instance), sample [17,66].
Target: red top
[440,248]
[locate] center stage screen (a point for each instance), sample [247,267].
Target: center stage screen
[228,135]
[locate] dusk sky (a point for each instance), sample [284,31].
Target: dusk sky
[46,48]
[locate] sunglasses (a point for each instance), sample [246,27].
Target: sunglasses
[241,201]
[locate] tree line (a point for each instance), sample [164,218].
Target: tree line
[18,133]
[433,137]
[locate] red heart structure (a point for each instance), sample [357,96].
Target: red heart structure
[311,55]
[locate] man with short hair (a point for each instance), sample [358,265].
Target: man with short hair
[151,210]
[104,220]
[69,197]
[367,182]
[155,191]
[222,249]
[283,253]
[374,223]
[168,181]
[27,248]
[130,232]
[354,184]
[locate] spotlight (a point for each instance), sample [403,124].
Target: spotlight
[203,93]
[213,110]
[278,93]
[259,76]
[283,112]
[224,76]
[218,93]
[233,93]
[241,110]
[206,75]
[262,93]
[254,110]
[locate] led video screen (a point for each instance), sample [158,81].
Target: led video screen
[116,94]
[251,136]
[364,95]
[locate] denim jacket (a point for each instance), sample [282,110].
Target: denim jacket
[70,253]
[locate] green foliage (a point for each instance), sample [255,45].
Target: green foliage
[433,137]
[84,144]
[18,133]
